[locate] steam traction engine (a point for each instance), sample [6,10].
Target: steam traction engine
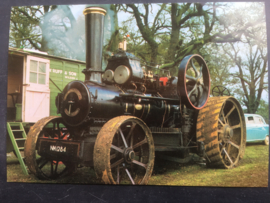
[118,119]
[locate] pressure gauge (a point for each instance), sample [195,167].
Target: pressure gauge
[121,74]
[108,75]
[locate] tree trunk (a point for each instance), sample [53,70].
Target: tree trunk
[174,34]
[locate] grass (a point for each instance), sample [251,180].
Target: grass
[252,172]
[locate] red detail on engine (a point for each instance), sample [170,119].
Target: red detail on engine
[164,80]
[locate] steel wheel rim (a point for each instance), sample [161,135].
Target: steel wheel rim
[230,133]
[129,156]
[133,163]
[42,167]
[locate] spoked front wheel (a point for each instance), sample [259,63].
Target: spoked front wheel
[44,167]
[124,152]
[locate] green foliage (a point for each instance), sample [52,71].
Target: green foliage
[24,27]
[219,65]
[263,110]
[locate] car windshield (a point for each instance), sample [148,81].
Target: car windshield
[250,120]
[254,120]
[258,120]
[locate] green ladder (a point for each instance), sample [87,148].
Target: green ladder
[17,136]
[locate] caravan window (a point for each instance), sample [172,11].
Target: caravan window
[37,72]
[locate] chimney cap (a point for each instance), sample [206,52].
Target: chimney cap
[99,10]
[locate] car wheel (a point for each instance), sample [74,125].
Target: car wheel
[266,141]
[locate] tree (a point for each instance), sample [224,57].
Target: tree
[206,26]
[263,110]
[219,63]
[252,74]
[25,29]
[45,28]
[147,29]
[55,30]
[250,58]
[191,27]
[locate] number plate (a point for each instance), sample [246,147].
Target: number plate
[62,150]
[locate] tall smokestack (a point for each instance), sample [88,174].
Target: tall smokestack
[94,26]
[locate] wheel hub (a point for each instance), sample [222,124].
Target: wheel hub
[227,132]
[129,155]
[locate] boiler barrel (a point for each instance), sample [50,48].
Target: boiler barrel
[86,101]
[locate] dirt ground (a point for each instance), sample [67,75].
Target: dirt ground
[251,172]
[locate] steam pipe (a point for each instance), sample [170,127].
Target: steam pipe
[94,30]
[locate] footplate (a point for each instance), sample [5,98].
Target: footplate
[59,150]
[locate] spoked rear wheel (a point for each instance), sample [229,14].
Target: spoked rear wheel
[124,152]
[44,167]
[221,126]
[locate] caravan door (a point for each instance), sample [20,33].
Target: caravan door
[36,99]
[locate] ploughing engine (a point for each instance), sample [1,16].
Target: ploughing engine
[117,119]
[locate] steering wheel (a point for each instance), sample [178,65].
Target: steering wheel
[220,91]
[193,82]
